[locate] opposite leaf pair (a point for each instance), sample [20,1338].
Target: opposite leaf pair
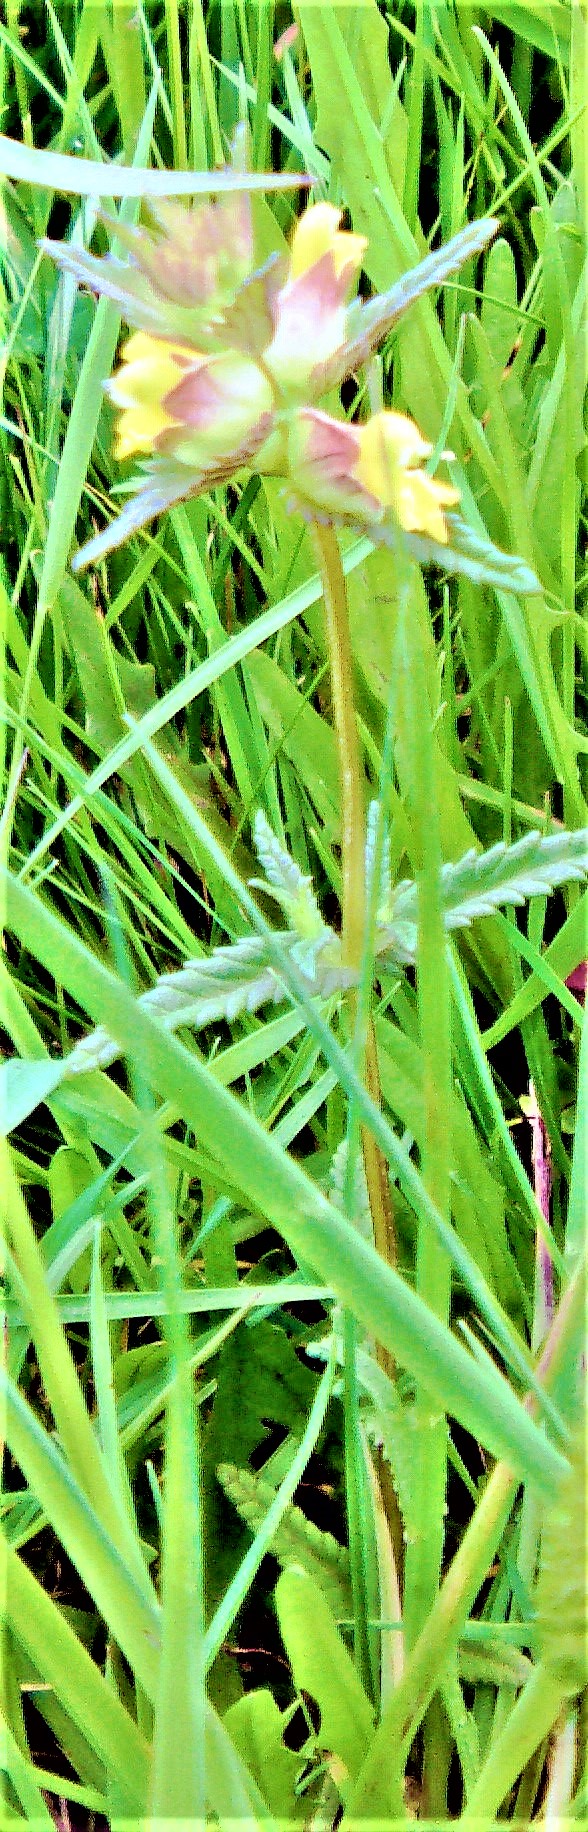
[242,978]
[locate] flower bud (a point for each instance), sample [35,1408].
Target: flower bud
[198,257]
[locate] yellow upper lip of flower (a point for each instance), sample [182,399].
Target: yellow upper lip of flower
[317,233]
[151,368]
[310,311]
[391,448]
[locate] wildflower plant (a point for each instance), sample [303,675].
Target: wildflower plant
[231,368]
[228,363]
[224,374]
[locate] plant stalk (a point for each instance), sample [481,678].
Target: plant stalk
[354,929]
[353,895]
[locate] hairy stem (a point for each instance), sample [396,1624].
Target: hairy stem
[354,927]
[353,896]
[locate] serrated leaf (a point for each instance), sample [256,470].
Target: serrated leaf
[290,887]
[479,883]
[374,320]
[388,1421]
[477,886]
[228,982]
[151,497]
[260,1383]
[468,555]
[297,1540]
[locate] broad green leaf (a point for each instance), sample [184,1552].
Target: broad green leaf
[256,1728]
[322,1667]
[500,291]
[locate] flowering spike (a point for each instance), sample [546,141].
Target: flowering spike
[227,367]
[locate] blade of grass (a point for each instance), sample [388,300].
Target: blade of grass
[91,178]
[379,1298]
[66,1665]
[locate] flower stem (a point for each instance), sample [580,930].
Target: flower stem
[354,917]
[352,798]
[353,897]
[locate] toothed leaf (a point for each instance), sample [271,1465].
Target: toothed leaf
[297,1541]
[388,1421]
[285,882]
[159,490]
[230,981]
[467,555]
[479,883]
[370,323]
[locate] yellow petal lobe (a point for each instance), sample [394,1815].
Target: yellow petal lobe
[391,448]
[317,233]
[151,367]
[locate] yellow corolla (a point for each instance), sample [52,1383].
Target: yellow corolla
[391,449]
[317,233]
[151,369]
[310,310]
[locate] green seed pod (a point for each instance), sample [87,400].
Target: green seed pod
[561,1588]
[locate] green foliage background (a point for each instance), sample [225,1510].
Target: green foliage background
[194,1384]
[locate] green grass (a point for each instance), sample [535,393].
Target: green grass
[274,1495]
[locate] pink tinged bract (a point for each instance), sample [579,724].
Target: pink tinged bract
[323,454]
[310,323]
[217,408]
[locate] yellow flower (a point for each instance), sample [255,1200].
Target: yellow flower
[391,448]
[317,233]
[193,408]
[310,310]
[364,474]
[151,369]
